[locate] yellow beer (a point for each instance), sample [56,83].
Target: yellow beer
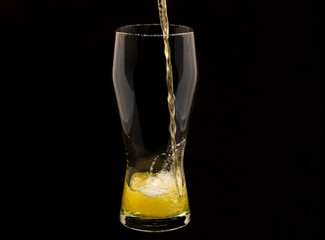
[154,196]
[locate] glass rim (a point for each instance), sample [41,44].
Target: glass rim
[187,30]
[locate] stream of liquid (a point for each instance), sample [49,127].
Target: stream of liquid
[162,7]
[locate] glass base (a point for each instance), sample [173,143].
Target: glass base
[155,225]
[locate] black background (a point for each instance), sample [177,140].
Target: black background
[253,158]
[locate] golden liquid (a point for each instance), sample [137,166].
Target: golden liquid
[153,197]
[157,195]
[162,7]
[160,195]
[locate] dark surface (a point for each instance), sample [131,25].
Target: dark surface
[253,159]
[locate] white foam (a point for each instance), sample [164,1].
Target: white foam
[161,183]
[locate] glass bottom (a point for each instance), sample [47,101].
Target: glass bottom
[155,225]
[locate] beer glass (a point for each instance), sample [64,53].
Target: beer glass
[155,194]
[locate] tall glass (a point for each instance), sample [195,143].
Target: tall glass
[155,194]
